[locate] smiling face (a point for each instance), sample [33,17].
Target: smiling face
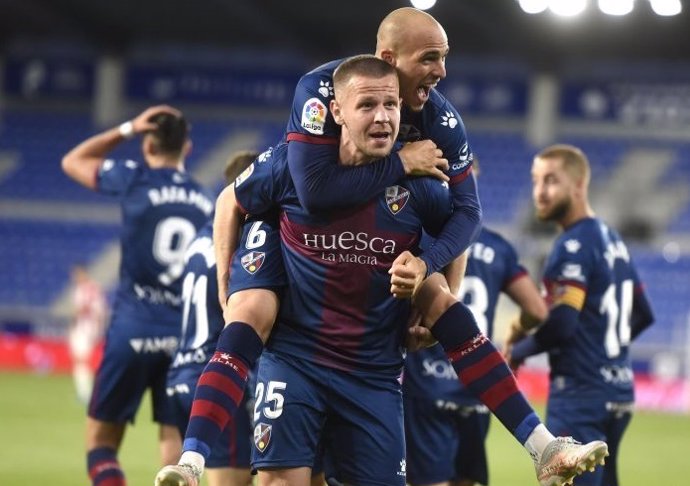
[368,109]
[421,63]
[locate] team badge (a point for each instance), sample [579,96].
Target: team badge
[244,175]
[314,116]
[396,198]
[252,262]
[572,245]
[262,436]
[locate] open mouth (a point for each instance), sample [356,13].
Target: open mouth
[380,135]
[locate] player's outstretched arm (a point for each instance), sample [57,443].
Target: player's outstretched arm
[322,184]
[226,229]
[82,162]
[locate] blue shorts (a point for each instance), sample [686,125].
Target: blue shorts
[358,415]
[590,420]
[446,442]
[233,447]
[133,363]
[258,260]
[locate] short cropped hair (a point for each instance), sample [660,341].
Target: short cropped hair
[575,162]
[361,65]
[237,163]
[170,134]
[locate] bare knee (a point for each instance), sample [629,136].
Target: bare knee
[103,434]
[255,307]
[434,298]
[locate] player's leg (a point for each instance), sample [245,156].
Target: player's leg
[484,371]
[366,429]
[289,414]
[257,275]
[121,381]
[103,441]
[472,425]
[81,347]
[619,417]
[431,442]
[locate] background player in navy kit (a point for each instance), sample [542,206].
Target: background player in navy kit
[162,210]
[445,425]
[597,307]
[202,322]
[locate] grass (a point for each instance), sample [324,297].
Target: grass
[42,428]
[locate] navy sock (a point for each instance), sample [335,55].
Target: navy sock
[482,369]
[103,467]
[221,386]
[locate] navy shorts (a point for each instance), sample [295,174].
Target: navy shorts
[133,363]
[233,447]
[297,400]
[445,442]
[258,260]
[592,420]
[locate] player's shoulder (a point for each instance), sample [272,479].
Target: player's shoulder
[583,237]
[493,238]
[320,79]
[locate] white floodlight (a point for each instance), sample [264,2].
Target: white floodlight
[423,4]
[567,8]
[616,7]
[666,8]
[533,6]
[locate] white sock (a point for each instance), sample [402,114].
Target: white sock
[538,440]
[193,458]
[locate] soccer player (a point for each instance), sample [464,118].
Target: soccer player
[86,329]
[597,307]
[162,210]
[416,44]
[446,425]
[202,322]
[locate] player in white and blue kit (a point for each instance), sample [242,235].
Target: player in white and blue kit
[162,209]
[597,308]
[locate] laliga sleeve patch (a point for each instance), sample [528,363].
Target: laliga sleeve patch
[314,116]
[244,175]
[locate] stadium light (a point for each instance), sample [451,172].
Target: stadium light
[666,8]
[616,7]
[568,8]
[534,6]
[423,4]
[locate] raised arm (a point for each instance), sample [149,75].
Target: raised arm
[82,162]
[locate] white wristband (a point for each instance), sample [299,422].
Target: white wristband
[127,130]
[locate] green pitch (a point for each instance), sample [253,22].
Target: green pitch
[42,429]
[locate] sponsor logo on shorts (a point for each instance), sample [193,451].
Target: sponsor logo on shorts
[252,262]
[314,116]
[396,198]
[262,436]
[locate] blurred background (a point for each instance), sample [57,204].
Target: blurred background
[617,85]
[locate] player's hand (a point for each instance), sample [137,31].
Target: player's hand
[418,336]
[407,274]
[141,123]
[424,158]
[514,334]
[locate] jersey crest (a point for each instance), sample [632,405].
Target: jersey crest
[396,198]
[252,262]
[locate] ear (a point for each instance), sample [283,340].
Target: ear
[336,112]
[389,56]
[187,148]
[147,146]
